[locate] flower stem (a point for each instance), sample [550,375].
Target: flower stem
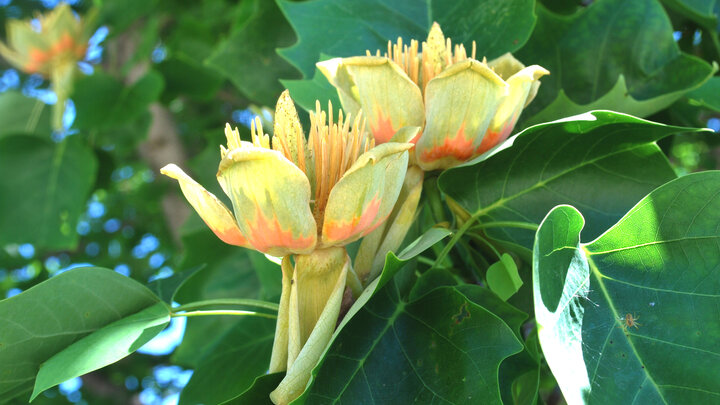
[32,122]
[432,192]
[223,312]
[456,237]
[227,301]
[507,224]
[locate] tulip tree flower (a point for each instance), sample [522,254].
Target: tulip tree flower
[52,51]
[464,106]
[302,200]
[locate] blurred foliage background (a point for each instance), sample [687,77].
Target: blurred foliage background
[159,80]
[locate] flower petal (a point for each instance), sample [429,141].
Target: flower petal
[389,236]
[460,102]
[215,214]
[365,195]
[336,73]
[389,99]
[521,86]
[273,197]
[288,133]
[506,66]
[318,293]
[279,357]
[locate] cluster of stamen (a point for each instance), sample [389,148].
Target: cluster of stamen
[437,53]
[335,146]
[330,150]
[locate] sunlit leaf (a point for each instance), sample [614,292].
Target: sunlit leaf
[48,318]
[102,347]
[640,302]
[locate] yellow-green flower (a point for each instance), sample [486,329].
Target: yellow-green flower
[52,51]
[464,106]
[305,200]
[296,196]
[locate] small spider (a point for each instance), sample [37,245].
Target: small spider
[630,321]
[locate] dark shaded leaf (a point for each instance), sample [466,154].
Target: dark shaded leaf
[231,365]
[259,392]
[602,162]
[247,57]
[431,349]
[615,54]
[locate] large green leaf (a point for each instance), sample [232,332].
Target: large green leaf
[659,265]
[104,346]
[231,365]
[348,28]
[434,342]
[23,115]
[436,348]
[48,318]
[602,162]
[43,190]
[614,54]
[247,57]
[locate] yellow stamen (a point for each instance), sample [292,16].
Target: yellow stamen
[335,147]
[259,138]
[437,54]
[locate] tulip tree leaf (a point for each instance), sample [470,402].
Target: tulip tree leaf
[231,365]
[102,347]
[503,278]
[550,164]
[707,95]
[348,27]
[432,349]
[43,190]
[23,115]
[614,54]
[247,57]
[50,317]
[659,265]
